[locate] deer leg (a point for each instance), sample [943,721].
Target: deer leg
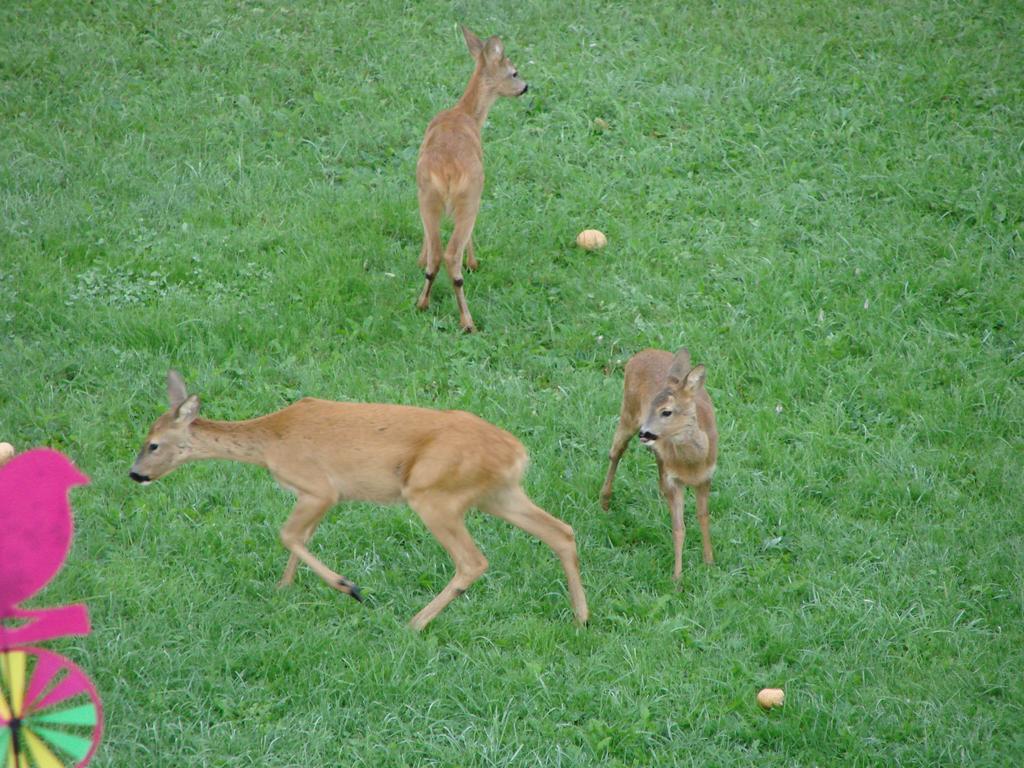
[307,514]
[289,572]
[675,500]
[471,263]
[703,491]
[516,507]
[622,437]
[448,524]
[465,218]
[431,207]
[293,560]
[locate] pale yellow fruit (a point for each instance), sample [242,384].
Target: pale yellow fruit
[771,697]
[6,453]
[591,239]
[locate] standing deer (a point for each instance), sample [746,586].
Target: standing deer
[440,463]
[665,400]
[450,170]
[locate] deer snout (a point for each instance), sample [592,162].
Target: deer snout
[526,87]
[141,479]
[646,437]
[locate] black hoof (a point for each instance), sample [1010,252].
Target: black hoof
[353,590]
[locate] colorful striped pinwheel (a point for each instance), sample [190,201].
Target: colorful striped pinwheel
[50,713]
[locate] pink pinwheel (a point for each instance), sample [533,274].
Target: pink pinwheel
[50,713]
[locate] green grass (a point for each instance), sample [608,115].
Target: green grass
[822,200]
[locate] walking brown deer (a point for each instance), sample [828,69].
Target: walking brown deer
[440,463]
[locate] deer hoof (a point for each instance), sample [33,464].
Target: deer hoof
[351,589]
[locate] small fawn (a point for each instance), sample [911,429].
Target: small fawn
[665,400]
[450,170]
[440,463]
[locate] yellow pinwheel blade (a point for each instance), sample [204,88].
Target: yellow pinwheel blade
[5,710]
[13,671]
[41,754]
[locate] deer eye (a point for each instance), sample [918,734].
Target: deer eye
[153,447]
[666,413]
[515,73]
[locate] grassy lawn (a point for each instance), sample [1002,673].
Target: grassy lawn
[823,200]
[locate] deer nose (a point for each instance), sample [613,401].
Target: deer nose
[647,437]
[526,87]
[137,477]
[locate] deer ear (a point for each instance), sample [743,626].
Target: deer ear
[680,367]
[186,412]
[176,391]
[695,379]
[472,42]
[494,49]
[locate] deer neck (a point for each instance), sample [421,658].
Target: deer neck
[232,440]
[477,100]
[692,450]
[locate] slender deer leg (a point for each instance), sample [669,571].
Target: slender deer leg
[623,435]
[465,218]
[703,491]
[308,512]
[431,207]
[516,507]
[293,560]
[446,519]
[676,500]
[289,570]
[471,263]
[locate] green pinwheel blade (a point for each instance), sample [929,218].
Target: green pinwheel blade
[5,737]
[76,746]
[84,714]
